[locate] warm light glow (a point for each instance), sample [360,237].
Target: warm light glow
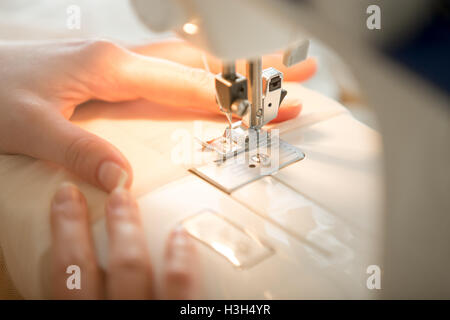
[190,28]
[227,252]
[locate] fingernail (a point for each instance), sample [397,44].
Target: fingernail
[180,249]
[119,202]
[112,176]
[180,236]
[179,230]
[67,199]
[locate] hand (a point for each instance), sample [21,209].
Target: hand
[42,83]
[129,273]
[183,53]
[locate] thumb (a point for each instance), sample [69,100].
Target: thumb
[85,154]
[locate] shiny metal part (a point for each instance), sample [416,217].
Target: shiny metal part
[239,107]
[296,53]
[256,98]
[231,143]
[229,70]
[254,75]
[230,90]
[273,94]
[261,158]
[265,94]
[242,166]
[245,152]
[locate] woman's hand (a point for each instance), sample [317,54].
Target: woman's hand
[42,83]
[129,273]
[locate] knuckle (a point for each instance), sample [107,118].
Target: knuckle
[103,60]
[97,46]
[101,52]
[74,154]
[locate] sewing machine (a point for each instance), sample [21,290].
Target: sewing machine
[274,231]
[247,29]
[245,147]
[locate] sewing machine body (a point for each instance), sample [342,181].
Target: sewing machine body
[310,230]
[265,237]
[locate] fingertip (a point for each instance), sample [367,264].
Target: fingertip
[288,112]
[66,191]
[120,204]
[312,66]
[311,62]
[68,202]
[180,250]
[302,71]
[178,240]
[90,157]
[112,175]
[180,275]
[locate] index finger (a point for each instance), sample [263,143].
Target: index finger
[183,53]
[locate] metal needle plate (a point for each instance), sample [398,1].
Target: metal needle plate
[231,173]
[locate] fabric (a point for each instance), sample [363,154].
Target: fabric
[29,20]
